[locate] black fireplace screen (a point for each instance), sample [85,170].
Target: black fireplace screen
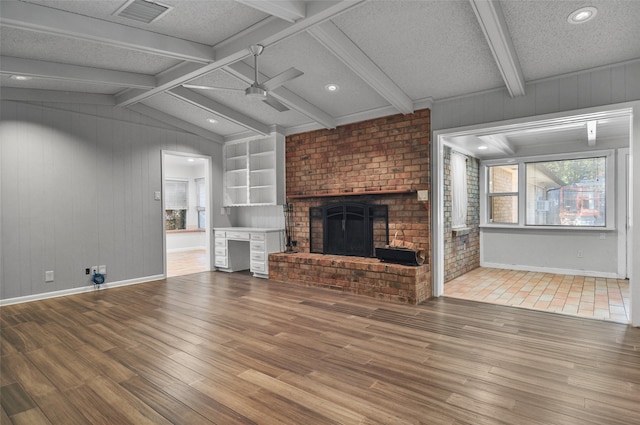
[348,229]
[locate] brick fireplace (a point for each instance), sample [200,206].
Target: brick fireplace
[384,161]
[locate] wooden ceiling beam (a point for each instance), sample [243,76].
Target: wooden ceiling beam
[84,74]
[495,29]
[332,38]
[289,10]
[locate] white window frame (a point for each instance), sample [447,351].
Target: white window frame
[610,190]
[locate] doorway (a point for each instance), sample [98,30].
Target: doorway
[506,252]
[186,204]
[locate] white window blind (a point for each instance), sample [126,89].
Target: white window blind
[459,199]
[201,195]
[175,194]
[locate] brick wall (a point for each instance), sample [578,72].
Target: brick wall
[390,153]
[385,154]
[462,249]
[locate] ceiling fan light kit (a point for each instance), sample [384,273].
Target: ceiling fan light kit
[256,92]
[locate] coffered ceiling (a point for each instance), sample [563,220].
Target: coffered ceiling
[386,57]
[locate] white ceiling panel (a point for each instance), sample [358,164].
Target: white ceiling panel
[320,68]
[548,45]
[429,48]
[192,114]
[203,21]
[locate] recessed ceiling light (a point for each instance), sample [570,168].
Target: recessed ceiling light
[212,120]
[20,77]
[332,87]
[483,147]
[191,160]
[582,15]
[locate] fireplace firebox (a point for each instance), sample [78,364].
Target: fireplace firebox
[348,229]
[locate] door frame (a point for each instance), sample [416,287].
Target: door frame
[208,179]
[633,198]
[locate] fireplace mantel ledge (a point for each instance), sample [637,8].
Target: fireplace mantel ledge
[364,193]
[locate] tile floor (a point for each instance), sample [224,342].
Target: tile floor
[187,262]
[595,297]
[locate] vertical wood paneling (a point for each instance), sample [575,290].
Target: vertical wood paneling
[77,191]
[601,87]
[605,86]
[547,96]
[10,208]
[37,209]
[632,75]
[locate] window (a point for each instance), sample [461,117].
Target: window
[459,199]
[567,192]
[503,194]
[554,191]
[201,202]
[176,204]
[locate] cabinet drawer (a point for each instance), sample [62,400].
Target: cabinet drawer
[221,261]
[257,266]
[257,236]
[257,246]
[221,251]
[257,256]
[220,234]
[243,236]
[220,242]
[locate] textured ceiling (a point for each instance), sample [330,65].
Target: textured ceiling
[387,56]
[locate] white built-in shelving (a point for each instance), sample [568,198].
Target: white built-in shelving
[254,172]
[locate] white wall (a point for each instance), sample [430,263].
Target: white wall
[551,251]
[77,186]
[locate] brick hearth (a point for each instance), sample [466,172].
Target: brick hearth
[356,275]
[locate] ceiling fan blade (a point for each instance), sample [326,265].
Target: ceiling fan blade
[194,86]
[275,104]
[281,78]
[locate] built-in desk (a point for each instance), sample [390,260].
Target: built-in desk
[246,248]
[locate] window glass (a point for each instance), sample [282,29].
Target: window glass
[503,194]
[566,193]
[176,204]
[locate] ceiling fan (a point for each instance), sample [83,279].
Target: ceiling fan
[259,90]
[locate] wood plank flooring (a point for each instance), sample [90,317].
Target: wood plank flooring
[219,348]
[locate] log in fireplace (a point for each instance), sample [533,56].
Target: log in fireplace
[347,228]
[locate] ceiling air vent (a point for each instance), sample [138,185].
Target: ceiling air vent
[142,10]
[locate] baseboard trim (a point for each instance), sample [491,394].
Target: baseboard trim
[589,273]
[80,290]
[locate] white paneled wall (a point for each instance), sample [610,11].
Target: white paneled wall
[599,87]
[77,189]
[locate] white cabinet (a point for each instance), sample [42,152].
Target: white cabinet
[246,248]
[254,171]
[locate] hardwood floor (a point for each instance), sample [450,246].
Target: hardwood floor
[220,348]
[187,262]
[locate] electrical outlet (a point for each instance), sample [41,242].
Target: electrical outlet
[94,270]
[87,271]
[48,276]
[580,253]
